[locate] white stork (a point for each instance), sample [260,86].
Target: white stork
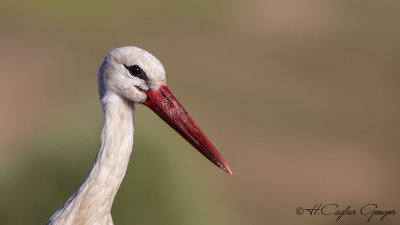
[127,76]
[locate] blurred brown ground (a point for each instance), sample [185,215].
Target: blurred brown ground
[300,97]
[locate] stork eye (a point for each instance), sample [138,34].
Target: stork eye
[136,71]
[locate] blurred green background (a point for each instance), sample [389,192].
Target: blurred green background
[300,97]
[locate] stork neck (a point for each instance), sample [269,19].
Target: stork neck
[95,196]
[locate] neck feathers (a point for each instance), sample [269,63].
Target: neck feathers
[92,202]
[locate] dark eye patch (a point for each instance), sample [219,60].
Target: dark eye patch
[136,71]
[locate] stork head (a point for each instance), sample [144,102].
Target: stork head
[139,77]
[128,72]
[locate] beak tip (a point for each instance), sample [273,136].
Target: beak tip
[227,169]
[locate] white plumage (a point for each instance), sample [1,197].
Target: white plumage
[120,86]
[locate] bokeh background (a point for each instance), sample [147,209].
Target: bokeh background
[300,97]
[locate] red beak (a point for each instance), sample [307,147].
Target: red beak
[165,105]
